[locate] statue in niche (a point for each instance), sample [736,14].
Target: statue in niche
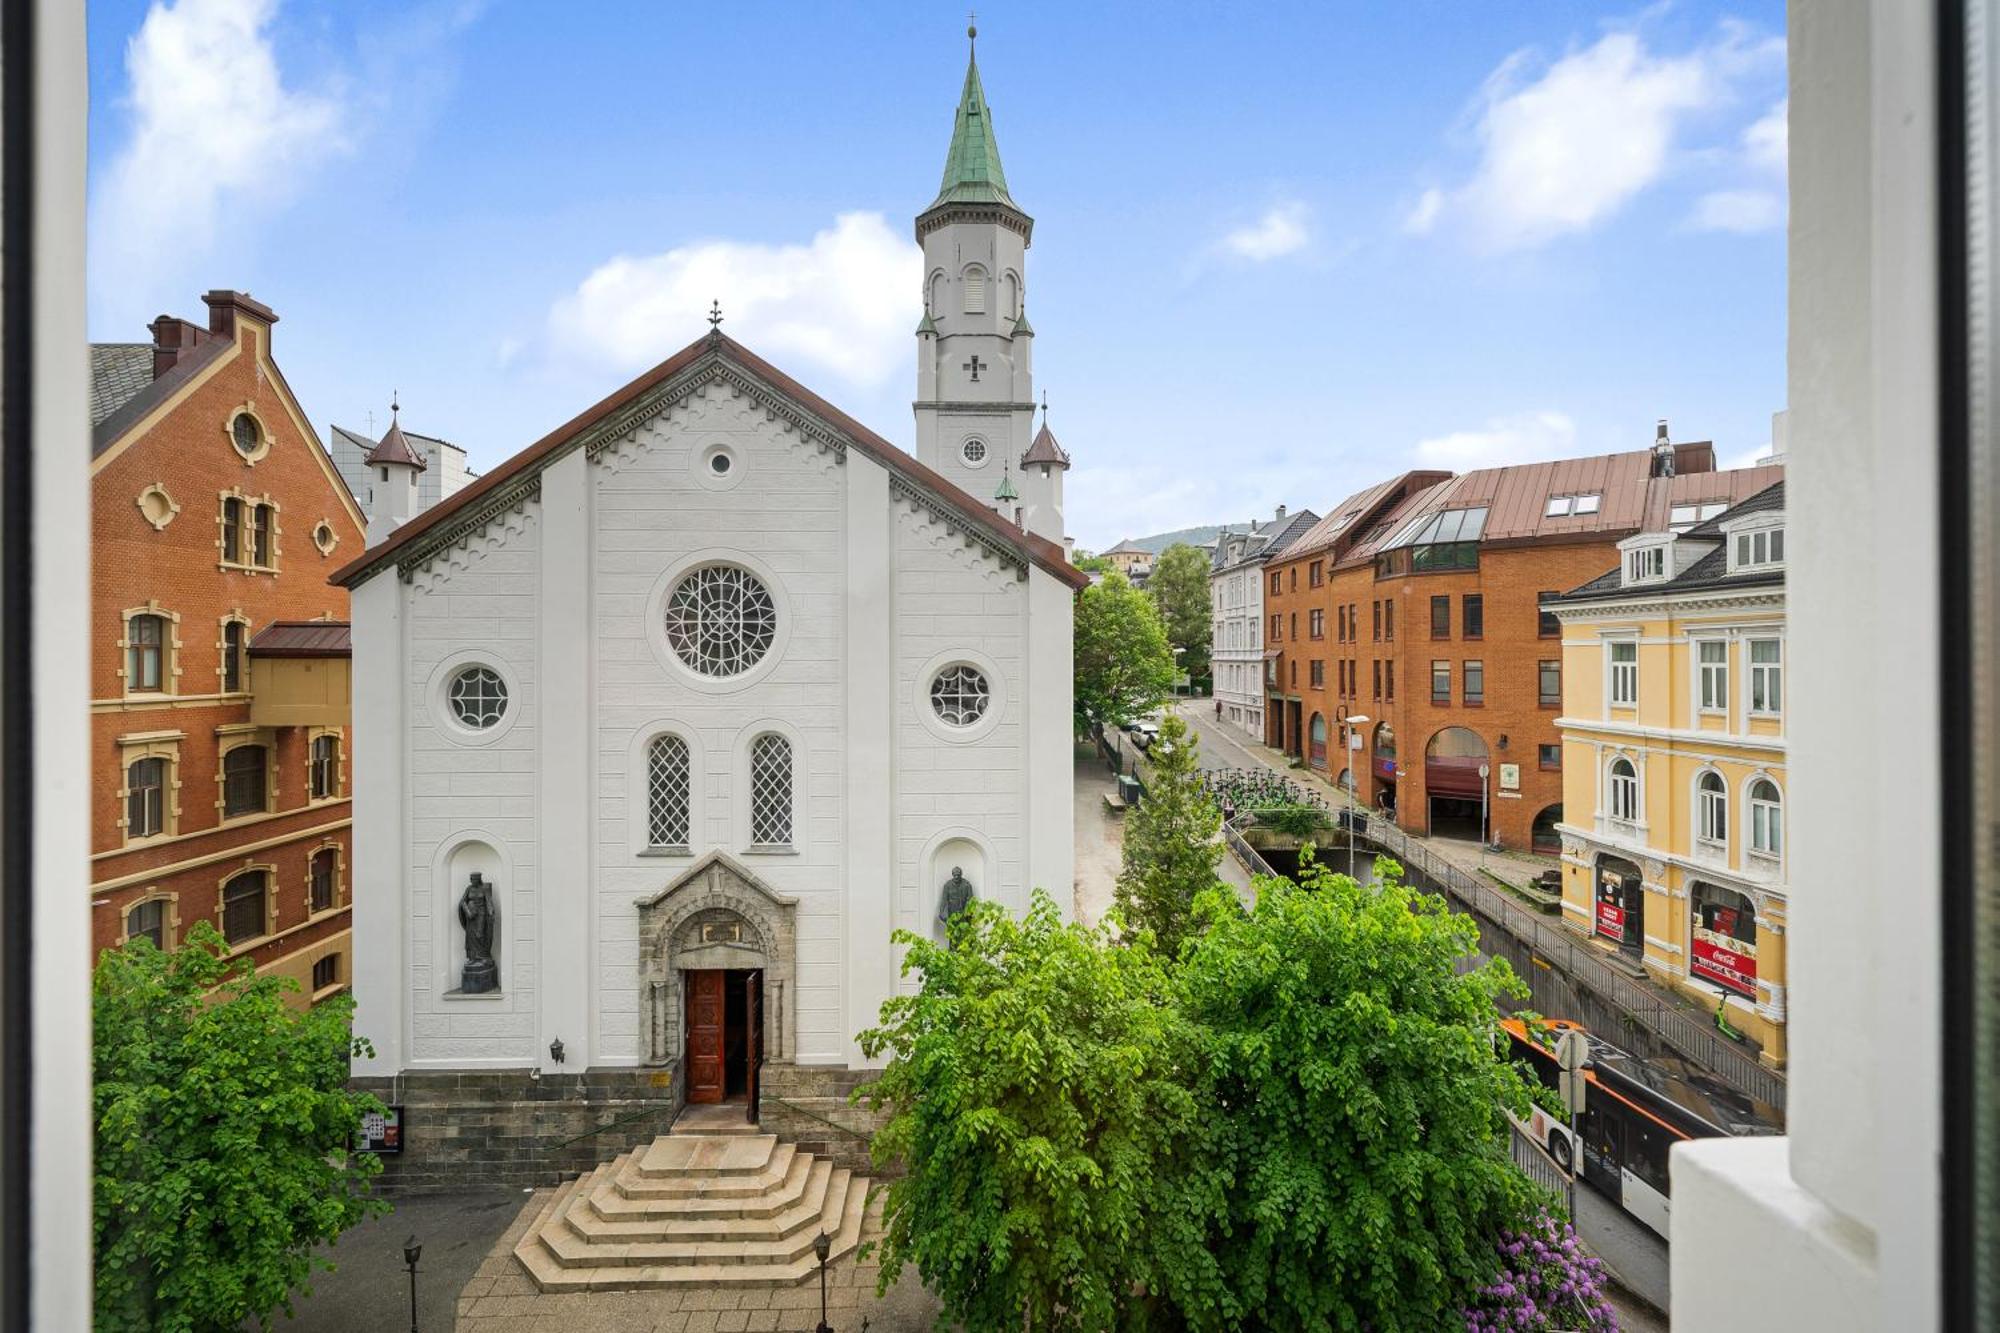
[955,898]
[478,915]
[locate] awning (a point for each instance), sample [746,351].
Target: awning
[1454,776]
[303,638]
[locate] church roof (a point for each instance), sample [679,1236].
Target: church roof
[1045,449]
[713,349]
[395,449]
[972,173]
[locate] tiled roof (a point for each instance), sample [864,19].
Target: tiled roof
[1127,547]
[303,638]
[1045,449]
[427,445]
[1709,572]
[1260,541]
[1039,551]
[119,372]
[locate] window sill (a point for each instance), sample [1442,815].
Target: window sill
[771,849]
[678,849]
[1553,705]
[456,996]
[1475,703]
[329,992]
[1764,714]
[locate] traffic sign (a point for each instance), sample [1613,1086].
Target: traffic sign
[1572,1052]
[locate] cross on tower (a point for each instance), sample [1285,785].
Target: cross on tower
[975,366]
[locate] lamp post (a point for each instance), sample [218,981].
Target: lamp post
[411,1251]
[1351,724]
[1484,769]
[822,1246]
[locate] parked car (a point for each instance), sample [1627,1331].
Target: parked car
[1143,733]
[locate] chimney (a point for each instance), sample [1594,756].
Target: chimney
[1663,451]
[173,338]
[224,306]
[1281,514]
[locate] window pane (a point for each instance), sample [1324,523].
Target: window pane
[1475,682]
[1585,504]
[1558,506]
[667,793]
[243,780]
[771,790]
[1440,617]
[1474,616]
[1440,682]
[243,907]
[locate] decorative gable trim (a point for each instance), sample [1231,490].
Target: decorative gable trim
[612,431]
[923,502]
[463,527]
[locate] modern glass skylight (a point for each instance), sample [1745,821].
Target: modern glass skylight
[1447,525]
[1562,506]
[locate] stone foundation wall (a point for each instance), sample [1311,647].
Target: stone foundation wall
[807,1105]
[466,1129]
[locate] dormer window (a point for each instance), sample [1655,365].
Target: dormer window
[1760,549]
[1648,564]
[1565,506]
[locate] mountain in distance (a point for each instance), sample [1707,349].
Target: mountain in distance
[1192,536]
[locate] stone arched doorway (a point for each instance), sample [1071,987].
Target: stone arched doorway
[718,938]
[1456,793]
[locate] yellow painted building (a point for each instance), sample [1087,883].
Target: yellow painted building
[1673,739]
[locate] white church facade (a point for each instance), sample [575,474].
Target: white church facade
[664,725]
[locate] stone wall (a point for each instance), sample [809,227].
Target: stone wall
[477,1128]
[504,1127]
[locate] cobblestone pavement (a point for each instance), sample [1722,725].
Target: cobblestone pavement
[501,1298]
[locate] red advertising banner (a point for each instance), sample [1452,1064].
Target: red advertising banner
[1610,919]
[1730,963]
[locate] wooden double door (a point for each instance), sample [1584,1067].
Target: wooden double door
[725,1035]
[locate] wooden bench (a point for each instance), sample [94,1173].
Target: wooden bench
[1114,803]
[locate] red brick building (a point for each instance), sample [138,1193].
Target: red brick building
[219,667]
[1416,605]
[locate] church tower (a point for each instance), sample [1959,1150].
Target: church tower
[975,370]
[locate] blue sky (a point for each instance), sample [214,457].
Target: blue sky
[1279,251]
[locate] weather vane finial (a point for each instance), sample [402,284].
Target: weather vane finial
[1045,407]
[715,317]
[972,25]
[394,407]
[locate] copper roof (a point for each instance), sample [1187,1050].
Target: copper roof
[1039,551]
[1349,518]
[1516,498]
[303,638]
[1045,450]
[394,448]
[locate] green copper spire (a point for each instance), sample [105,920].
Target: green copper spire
[972,173]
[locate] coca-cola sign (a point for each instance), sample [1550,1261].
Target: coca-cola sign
[1728,962]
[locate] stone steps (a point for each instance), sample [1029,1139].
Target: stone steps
[691,1210]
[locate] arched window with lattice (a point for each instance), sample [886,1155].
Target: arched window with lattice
[771,791]
[667,792]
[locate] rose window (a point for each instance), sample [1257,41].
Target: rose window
[478,697]
[721,620]
[960,695]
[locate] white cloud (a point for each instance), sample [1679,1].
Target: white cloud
[1565,148]
[1528,438]
[213,126]
[846,302]
[1281,231]
[1424,215]
[1761,206]
[1738,210]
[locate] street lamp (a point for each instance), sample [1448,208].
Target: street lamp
[823,1246]
[411,1251]
[1484,769]
[1352,722]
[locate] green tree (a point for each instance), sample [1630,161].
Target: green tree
[223,1127]
[1173,841]
[1037,1082]
[1359,1090]
[1124,668]
[1178,585]
[1089,562]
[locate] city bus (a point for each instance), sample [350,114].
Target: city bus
[1634,1112]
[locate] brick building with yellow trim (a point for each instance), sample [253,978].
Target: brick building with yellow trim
[219,703]
[1673,735]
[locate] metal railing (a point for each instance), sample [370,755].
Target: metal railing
[1536,1164]
[1693,1037]
[1252,860]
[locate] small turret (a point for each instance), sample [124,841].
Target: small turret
[1042,469]
[393,466]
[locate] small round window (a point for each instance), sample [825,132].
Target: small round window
[973,452]
[960,694]
[719,463]
[324,538]
[246,434]
[721,621]
[478,697]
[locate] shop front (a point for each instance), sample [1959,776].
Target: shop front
[1620,909]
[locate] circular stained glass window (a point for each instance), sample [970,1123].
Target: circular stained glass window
[974,452]
[478,697]
[721,621]
[246,434]
[960,695]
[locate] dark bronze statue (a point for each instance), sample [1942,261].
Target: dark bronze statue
[957,894]
[479,914]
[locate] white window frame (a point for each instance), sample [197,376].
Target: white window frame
[745,824]
[1612,786]
[1708,673]
[1711,809]
[1763,674]
[1775,820]
[1614,671]
[1769,528]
